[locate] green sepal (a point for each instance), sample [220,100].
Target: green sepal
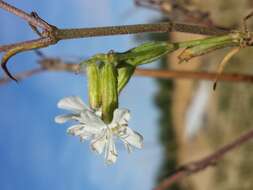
[200,47]
[124,75]
[94,91]
[109,88]
[146,53]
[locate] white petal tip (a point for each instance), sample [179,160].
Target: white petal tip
[72,103]
[111,162]
[93,149]
[141,145]
[58,119]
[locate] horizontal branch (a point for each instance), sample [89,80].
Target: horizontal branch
[22,75]
[200,165]
[172,74]
[50,34]
[55,64]
[27,17]
[162,27]
[178,10]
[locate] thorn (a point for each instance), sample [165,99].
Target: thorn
[29,45]
[5,59]
[4,67]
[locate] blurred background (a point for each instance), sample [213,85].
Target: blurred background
[181,120]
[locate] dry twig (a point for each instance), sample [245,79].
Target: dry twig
[205,162]
[56,64]
[176,10]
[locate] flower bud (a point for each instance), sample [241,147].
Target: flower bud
[205,46]
[109,88]
[124,75]
[92,72]
[146,53]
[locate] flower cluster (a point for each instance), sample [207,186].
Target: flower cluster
[101,135]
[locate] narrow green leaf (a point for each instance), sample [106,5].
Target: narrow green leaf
[124,75]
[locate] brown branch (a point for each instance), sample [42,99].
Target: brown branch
[200,165]
[56,64]
[22,75]
[33,44]
[46,64]
[51,34]
[63,34]
[35,21]
[167,74]
[176,10]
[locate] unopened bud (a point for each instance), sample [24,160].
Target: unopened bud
[124,75]
[109,88]
[92,72]
[146,53]
[205,46]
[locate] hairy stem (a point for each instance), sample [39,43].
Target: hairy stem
[20,13]
[138,28]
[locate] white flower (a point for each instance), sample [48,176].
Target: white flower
[91,127]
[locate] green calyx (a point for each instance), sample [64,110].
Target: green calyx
[143,54]
[146,53]
[94,90]
[195,48]
[109,88]
[124,75]
[108,74]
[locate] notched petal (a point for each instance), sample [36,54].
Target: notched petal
[98,144]
[75,130]
[133,138]
[64,118]
[110,149]
[92,120]
[72,103]
[120,117]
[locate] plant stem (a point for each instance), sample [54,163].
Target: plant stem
[63,34]
[173,74]
[20,13]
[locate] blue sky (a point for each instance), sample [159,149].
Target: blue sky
[36,153]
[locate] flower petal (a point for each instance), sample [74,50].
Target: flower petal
[128,147]
[83,130]
[64,118]
[91,120]
[75,130]
[98,143]
[72,103]
[132,138]
[120,117]
[110,150]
